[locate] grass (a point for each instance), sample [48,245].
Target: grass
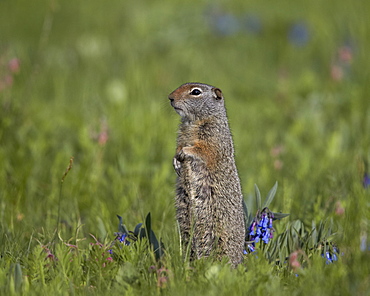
[93,82]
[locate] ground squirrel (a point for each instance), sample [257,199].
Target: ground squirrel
[209,202]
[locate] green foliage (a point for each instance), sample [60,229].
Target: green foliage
[249,216]
[90,80]
[140,233]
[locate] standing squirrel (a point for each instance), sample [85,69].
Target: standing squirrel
[209,201]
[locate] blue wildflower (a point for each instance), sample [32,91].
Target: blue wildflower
[226,25]
[251,229]
[121,237]
[364,246]
[266,236]
[264,221]
[366,181]
[299,34]
[330,256]
[334,257]
[250,248]
[261,227]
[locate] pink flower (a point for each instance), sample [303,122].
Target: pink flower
[14,65]
[277,150]
[103,135]
[345,54]
[103,138]
[49,254]
[339,209]
[293,261]
[337,73]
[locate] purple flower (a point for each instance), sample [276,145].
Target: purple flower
[366,181]
[261,228]
[264,221]
[121,237]
[266,236]
[250,248]
[251,229]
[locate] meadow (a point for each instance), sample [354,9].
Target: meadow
[90,80]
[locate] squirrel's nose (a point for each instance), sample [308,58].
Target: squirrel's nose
[171,100]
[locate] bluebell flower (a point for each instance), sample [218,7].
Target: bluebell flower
[364,246]
[250,248]
[227,24]
[330,256]
[122,238]
[264,221]
[266,236]
[366,181]
[334,257]
[299,34]
[261,227]
[251,229]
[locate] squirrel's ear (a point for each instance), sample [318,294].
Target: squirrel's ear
[218,93]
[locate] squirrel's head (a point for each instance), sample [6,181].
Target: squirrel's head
[194,101]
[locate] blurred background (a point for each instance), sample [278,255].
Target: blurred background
[90,79]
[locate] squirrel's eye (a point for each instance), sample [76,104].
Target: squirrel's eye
[196,92]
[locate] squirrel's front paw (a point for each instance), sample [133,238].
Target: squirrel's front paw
[180,155]
[176,165]
[179,158]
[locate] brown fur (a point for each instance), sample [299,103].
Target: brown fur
[208,193]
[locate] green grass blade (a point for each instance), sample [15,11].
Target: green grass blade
[18,279]
[258,197]
[279,216]
[270,196]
